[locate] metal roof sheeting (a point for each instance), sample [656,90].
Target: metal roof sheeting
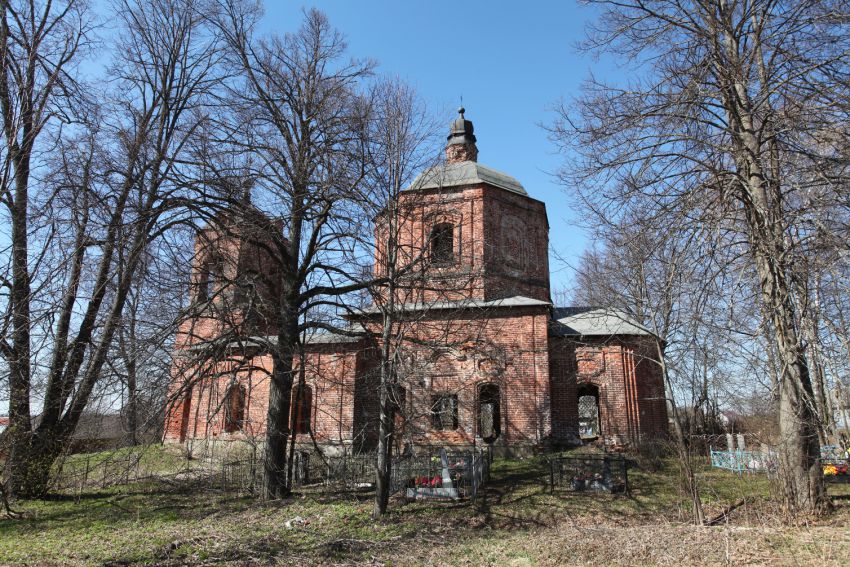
[515,301]
[464,173]
[595,321]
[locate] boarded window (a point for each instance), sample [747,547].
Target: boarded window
[444,412]
[302,404]
[489,413]
[442,244]
[234,409]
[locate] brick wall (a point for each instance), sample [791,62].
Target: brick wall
[455,353]
[500,250]
[628,378]
[500,245]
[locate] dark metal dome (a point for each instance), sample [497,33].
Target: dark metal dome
[461,130]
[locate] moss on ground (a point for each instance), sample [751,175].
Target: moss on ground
[515,521]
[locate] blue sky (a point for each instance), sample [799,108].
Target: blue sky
[509,60]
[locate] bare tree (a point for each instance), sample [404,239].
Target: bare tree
[650,273]
[295,107]
[736,103]
[120,196]
[34,83]
[141,360]
[400,145]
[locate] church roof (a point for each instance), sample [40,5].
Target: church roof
[515,301]
[595,321]
[464,173]
[567,321]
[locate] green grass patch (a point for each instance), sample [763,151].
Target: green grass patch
[516,520]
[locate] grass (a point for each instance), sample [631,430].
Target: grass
[516,521]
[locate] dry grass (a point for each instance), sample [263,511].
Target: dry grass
[515,522]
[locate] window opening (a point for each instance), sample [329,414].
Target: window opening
[588,412]
[489,413]
[442,244]
[209,277]
[444,411]
[302,404]
[234,409]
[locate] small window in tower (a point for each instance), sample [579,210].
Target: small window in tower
[302,404]
[234,409]
[444,412]
[210,274]
[442,244]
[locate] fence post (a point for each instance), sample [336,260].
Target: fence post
[625,466]
[552,476]
[473,476]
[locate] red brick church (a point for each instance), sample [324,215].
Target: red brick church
[487,358]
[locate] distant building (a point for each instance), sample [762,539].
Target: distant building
[489,360]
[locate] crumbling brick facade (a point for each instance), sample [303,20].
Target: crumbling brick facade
[485,359]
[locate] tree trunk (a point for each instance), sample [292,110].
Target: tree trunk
[799,448]
[383,466]
[132,402]
[388,379]
[295,417]
[34,455]
[762,201]
[277,428]
[20,422]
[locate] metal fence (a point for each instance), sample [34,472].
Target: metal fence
[836,464]
[444,475]
[746,461]
[599,473]
[343,472]
[97,471]
[462,472]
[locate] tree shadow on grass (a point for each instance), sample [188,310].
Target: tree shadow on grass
[109,508]
[520,495]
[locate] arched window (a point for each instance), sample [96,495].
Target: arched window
[489,413]
[302,404]
[234,409]
[588,412]
[184,420]
[443,244]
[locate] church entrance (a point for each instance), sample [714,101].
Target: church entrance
[588,412]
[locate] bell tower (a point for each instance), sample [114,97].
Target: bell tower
[475,230]
[235,277]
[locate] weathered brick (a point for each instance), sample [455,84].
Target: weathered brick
[500,250]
